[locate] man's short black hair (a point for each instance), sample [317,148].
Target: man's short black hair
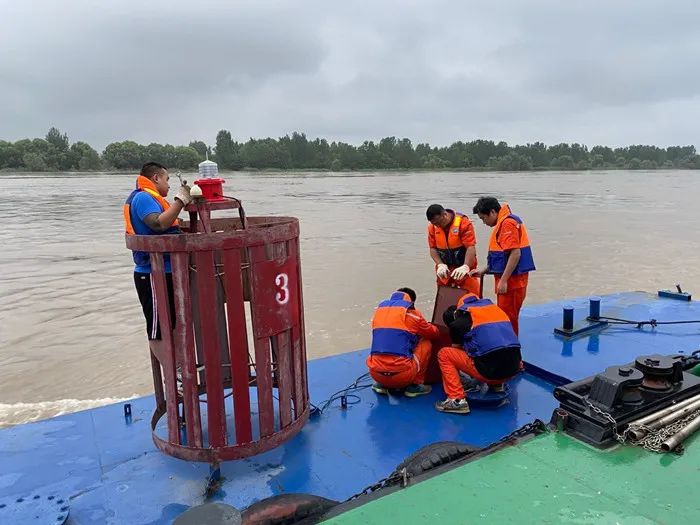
[458,323]
[150,169]
[486,205]
[411,293]
[433,211]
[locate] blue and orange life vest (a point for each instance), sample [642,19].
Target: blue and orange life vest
[145,184]
[491,329]
[390,333]
[497,257]
[450,248]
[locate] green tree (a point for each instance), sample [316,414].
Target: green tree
[124,155]
[435,162]
[227,151]
[200,147]
[10,155]
[347,154]
[186,158]
[597,161]
[265,153]
[301,151]
[563,161]
[57,139]
[605,152]
[336,165]
[689,162]
[84,158]
[634,164]
[34,162]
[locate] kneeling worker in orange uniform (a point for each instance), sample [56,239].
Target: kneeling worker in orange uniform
[452,247]
[510,256]
[484,346]
[401,345]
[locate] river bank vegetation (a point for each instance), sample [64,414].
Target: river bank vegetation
[54,152]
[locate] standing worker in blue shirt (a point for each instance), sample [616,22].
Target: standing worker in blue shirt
[146,212]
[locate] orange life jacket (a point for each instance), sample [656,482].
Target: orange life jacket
[497,257]
[390,333]
[450,248]
[142,184]
[491,328]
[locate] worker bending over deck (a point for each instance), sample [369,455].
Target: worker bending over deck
[510,257]
[401,345]
[452,245]
[484,346]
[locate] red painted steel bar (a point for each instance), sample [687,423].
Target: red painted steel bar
[184,339]
[238,346]
[161,313]
[253,259]
[206,289]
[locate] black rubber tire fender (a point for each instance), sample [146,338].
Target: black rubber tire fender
[286,509]
[434,455]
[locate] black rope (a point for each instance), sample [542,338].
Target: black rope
[347,396]
[640,324]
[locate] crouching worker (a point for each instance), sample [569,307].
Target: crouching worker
[401,345]
[484,346]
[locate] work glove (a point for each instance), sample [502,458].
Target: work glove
[183,194]
[460,272]
[442,270]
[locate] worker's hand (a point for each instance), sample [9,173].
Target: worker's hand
[478,272]
[460,272]
[183,194]
[442,270]
[502,287]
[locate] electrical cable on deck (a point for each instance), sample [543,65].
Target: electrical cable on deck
[347,393]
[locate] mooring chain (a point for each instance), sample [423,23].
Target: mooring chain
[653,438]
[619,437]
[402,476]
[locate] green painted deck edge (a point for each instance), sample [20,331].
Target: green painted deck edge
[549,479]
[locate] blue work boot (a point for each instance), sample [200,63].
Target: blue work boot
[453,406]
[379,389]
[417,390]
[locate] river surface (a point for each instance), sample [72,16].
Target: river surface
[72,333]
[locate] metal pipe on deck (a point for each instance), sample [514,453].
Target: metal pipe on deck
[644,421]
[681,435]
[678,413]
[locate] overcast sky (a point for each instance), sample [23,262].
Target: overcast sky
[608,72]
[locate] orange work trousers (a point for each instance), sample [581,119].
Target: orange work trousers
[469,284]
[511,303]
[453,360]
[392,371]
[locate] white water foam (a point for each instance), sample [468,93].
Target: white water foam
[17,413]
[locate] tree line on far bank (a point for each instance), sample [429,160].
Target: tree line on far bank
[55,153]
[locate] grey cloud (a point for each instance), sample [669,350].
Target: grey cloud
[594,72]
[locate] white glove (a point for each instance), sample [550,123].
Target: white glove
[442,270]
[460,272]
[183,194]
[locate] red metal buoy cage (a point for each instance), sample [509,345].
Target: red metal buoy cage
[229,372]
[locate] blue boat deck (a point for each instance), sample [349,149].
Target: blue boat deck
[111,472]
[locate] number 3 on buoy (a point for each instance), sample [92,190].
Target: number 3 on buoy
[282,282]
